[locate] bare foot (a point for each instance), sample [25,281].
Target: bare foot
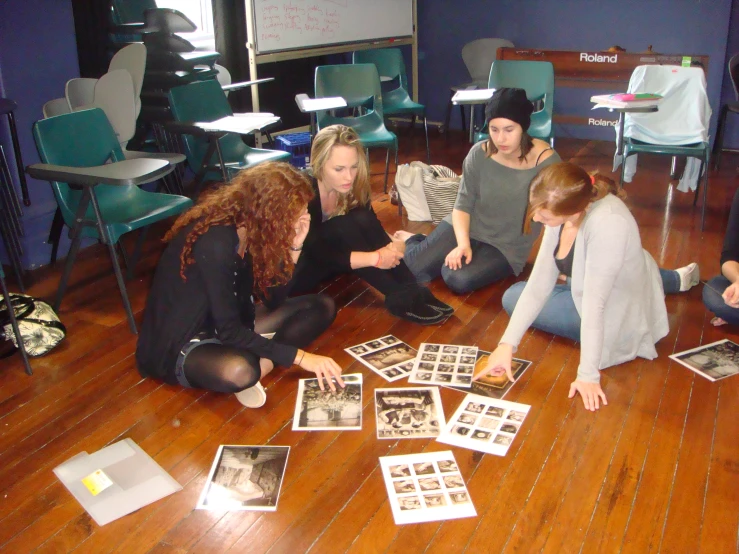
[402,235]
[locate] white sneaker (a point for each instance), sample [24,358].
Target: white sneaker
[253,397]
[689,276]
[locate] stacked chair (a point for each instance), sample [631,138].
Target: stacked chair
[397,101]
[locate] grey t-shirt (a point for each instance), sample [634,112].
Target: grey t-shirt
[496,197]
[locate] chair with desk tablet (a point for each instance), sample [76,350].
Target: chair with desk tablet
[391,66]
[359,85]
[537,79]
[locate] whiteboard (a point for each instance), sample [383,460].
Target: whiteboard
[297,24]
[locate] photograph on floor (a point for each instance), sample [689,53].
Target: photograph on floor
[426,487]
[485,424]
[387,356]
[713,361]
[494,386]
[327,410]
[245,478]
[408,413]
[444,364]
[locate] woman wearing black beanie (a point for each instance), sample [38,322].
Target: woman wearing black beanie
[483,240]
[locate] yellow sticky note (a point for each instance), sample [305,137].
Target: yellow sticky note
[97,482]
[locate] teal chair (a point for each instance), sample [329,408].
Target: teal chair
[391,65]
[205,101]
[359,85]
[13,320]
[98,199]
[537,79]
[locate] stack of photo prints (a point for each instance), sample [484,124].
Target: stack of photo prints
[426,487]
[245,478]
[444,364]
[387,356]
[714,361]
[327,410]
[485,424]
[421,487]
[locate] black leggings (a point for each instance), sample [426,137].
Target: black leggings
[297,322]
[360,231]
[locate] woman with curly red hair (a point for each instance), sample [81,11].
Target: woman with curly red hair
[202,327]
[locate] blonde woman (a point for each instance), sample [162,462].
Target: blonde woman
[346,236]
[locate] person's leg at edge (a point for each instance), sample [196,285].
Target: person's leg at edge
[488,265]
[680,279]
[714,302]
[558,316]
[425,255]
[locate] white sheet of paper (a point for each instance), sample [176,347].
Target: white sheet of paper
[387,356]
[426,487]
[444,364]
[306,104]
[408,413]
[242,124]
[317,410]
[473,96]
[484,424]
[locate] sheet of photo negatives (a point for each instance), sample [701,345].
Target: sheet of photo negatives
[327,410]
[388,356]
[426,487]
[408,413]
[245,478]
[444,364]
[494,386]
[714,361]
[485,424]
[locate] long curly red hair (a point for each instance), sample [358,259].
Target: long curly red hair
[265,200]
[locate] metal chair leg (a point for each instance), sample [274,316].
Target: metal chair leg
[72,254]
[704,166]
[14,324]
[719,142]
[428,150]
[55,233]
[387,170]
[113,258]
[673,168]
[623,170]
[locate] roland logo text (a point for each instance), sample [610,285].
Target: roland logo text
[598,58]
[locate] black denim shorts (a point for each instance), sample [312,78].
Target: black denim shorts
[197,340]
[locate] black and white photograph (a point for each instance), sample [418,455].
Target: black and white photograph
[484,424]
[245,478]
[387,356]
[434,490]
[713,361]
[491,386]
[408,413]
[444,364]
[327,410]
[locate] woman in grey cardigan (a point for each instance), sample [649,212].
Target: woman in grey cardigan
[613,299]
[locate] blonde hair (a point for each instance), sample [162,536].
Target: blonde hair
[320,152]
[566,189]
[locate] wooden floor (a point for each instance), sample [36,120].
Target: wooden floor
[657,470]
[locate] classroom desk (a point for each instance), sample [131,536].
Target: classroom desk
[476,97]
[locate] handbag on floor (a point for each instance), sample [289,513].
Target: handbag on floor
[409,185]
[440,186]
[38,324]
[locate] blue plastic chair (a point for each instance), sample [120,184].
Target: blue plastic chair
[75,149]
[205,101]
[537,79]
[391,65]
[359,85]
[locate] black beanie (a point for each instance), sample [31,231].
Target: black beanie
[510,103]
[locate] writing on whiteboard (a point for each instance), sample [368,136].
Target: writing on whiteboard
[298,17]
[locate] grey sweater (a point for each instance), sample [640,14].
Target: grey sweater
[496,197]
[616,288]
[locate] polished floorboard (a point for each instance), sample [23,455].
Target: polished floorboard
[657,470]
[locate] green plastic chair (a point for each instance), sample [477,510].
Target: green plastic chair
[75,148]
[14,321]
[359,85]
[205,101]
[390,64]
[537,79]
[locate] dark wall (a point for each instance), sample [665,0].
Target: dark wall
[731,138]
[38,54]
[671,26]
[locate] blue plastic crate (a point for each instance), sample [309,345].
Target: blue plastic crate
[298,145]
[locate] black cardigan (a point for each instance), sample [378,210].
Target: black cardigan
[217,297]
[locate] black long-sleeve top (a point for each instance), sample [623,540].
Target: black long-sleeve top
[730,251]
[217,297]
[338,255]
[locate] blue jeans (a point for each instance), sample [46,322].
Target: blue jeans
[715,303]
[425,258]
[559,315]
